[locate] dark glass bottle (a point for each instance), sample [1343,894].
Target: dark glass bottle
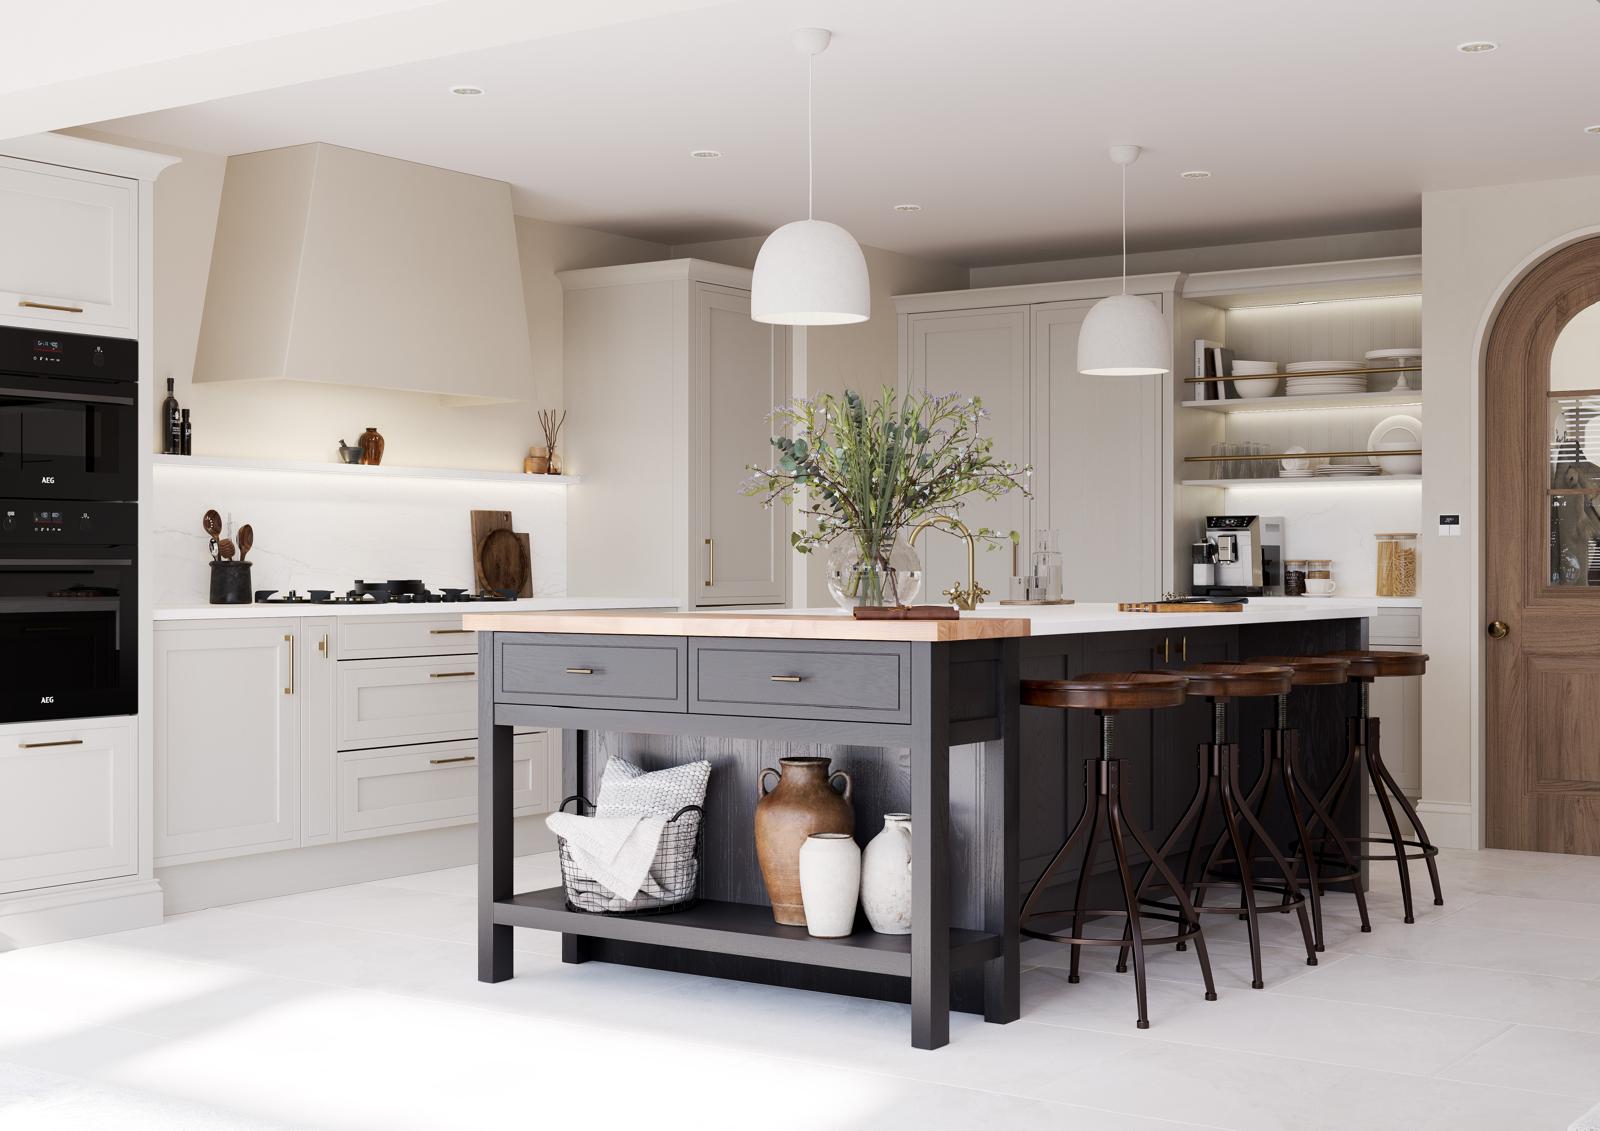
[171,428]
[186,435]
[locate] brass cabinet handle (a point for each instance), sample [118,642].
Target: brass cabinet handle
[322,645]
[289,639]
[50,306]
[1184,654]
[1166,650]
[448,761]
[451,675]
[580,671]
[785,678]
[448,631]
[711,562]
[1499,629]
[42,745]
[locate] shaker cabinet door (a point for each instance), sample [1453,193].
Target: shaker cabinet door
[227,739]
[984,354]
[739,372]
[68,239]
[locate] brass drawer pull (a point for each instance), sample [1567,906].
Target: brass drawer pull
[449,761]
[41,745]
[50,306]
[785,678]
[289,640]
[580,671]
[449,631]
[451,675]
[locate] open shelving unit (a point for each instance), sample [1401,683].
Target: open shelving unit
[361,471]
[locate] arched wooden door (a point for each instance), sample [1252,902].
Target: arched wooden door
[1542,446]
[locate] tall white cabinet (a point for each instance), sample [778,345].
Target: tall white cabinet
[1099,446]
[668,387]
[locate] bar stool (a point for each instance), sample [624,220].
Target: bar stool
[1107,693]
[1281,761]
[1367,665]
[1219,788]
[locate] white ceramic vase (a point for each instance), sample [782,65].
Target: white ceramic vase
[886,877]
[830,881]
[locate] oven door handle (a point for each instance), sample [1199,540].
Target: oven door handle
[54,395]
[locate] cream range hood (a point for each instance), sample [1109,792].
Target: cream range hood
[347,268]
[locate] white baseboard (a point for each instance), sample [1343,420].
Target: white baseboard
[77,911]
[265,875]
[1451,824]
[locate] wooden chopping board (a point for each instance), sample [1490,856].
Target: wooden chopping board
[502,561]
[1176,607]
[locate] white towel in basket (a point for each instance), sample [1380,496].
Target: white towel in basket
[616,851]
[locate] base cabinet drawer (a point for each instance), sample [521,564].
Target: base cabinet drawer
[67,804]
[404,789]
[410,700]
[593,671]
[854,681]
[384,636]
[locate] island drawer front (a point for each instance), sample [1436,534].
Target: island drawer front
[381,636]
[859,680]
[603,672]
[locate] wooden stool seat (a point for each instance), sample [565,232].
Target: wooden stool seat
[1107,691]
[1371,663]
[1310,671]
[1237,681]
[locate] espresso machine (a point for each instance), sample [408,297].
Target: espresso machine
[1241,556]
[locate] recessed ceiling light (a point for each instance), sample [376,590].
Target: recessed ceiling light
[705,154]
[908,208]
[1476,46]
[1196,175]
[1591,129]
[469,90]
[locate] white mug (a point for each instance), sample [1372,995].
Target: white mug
[1320,586]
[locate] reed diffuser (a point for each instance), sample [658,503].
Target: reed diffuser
[551,422]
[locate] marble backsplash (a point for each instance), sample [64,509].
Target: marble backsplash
[325,531]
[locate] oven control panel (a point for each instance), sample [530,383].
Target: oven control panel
[30,522]
[83,356]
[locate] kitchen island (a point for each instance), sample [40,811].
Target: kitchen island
[925,717]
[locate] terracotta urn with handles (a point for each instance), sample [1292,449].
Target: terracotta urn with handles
[802,802]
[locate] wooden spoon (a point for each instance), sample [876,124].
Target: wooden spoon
[212,522]
[247,539]
[225,549]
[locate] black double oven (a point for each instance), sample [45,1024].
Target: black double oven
[69,486]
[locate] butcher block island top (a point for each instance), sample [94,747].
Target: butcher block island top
[988,623]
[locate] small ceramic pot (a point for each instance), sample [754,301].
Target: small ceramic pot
[371,447]
[886,877]
[830,881]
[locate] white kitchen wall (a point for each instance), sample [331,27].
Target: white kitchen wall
[325,531]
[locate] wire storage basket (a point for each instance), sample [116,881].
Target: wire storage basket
[672,885]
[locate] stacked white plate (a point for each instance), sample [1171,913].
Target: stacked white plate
[1347,470]
[1397,433]
[1323,386]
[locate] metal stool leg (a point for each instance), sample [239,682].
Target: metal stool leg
[1134,927]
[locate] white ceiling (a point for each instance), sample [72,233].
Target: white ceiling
[1313,117]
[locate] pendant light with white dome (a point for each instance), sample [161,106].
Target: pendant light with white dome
[1124,335]
[810,272]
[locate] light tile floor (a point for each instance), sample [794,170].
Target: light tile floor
[357,1008]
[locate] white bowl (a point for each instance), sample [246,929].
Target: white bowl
[1301,465]
[1258,387]
[1253,368]
[1399,465]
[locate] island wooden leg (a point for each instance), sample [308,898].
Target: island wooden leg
[494,824]
[1001,759]
[930,855]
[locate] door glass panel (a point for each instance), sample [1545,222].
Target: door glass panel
[1574,452]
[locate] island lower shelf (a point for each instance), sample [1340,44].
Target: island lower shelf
[744,929]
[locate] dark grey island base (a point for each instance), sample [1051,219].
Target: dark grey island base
[929,727]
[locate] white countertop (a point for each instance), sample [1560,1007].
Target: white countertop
[434,609]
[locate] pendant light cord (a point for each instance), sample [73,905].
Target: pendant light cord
[811,158]
[1124,229]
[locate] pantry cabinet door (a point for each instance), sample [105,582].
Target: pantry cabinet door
[984,354]
[739,372]
[1098,460]
[227,739]
[68,239]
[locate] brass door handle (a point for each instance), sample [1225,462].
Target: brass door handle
[42,745]
[580,671]
[322,645]
[50,306]
[1499,629]
[1184,654]
[785,678]
[711,562]
[1166,650]
[451,675]
[288,638]
[448,761]
[448,631]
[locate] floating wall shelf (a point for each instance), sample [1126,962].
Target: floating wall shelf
[359,471]
[1306,404]
[1309,481]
